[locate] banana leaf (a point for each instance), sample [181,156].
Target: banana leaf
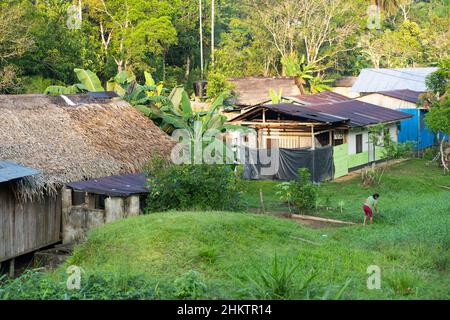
[149,81]
[57,90]
[186,107]
[89,79]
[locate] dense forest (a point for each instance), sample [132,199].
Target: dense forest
[42,41]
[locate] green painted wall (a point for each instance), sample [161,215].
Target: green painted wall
[340,159]
[343,161]
[358,159]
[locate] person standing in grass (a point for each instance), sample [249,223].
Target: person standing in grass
[369,206]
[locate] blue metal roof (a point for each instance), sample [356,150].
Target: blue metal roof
[375,80]
[10,170]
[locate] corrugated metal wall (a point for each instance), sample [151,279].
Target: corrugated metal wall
[414,129]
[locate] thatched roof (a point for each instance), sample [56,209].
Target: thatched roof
[91,139]
[252,91]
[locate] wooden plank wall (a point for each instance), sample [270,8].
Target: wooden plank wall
[28,226]
[287,138]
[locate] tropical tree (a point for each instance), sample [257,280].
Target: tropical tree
[200,128]
[438,102]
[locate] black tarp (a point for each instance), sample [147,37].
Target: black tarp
[282,164]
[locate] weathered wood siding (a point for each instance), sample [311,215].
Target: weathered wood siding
[25,227]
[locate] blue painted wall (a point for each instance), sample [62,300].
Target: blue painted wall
[414,129]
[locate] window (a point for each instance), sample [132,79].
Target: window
[99,201]
[338,137]
[359,143]
[78,198]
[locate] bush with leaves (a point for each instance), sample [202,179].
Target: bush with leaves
[189,286]
[218,85]
[371,175]
[300,193]
[283,280]
[192,186]
[36,285]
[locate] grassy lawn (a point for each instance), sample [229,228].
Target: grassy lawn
[230,251]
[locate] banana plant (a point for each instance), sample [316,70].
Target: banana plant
[88,82]
[296,67]
[318,84]
[124,84]
[276,97]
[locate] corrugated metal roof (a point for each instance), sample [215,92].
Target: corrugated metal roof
[114,186]
[318,98]
[305,112]
[360,113]
[375,80]
[405,95]
[10,170]
[301,112]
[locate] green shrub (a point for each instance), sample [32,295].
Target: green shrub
[217,85]
[199,187]
[300,193]
[431,153]
[190,286]
[36,285]
[371,175]
[402,283]
[395,150]
[276,282]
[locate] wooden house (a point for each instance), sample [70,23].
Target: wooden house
[344,125]
[65,139]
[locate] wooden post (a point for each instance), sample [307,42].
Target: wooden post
[263,210]
[66,203]
[313,144]
[11,268]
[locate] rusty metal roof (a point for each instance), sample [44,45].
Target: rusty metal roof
[300,112]
[360,113]
[252,91]
[406,95]
[318,98]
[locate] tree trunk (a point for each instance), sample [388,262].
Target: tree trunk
[443,156]
[188,67]
[299,84]
[201,37]
[164,66]
[212,29]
